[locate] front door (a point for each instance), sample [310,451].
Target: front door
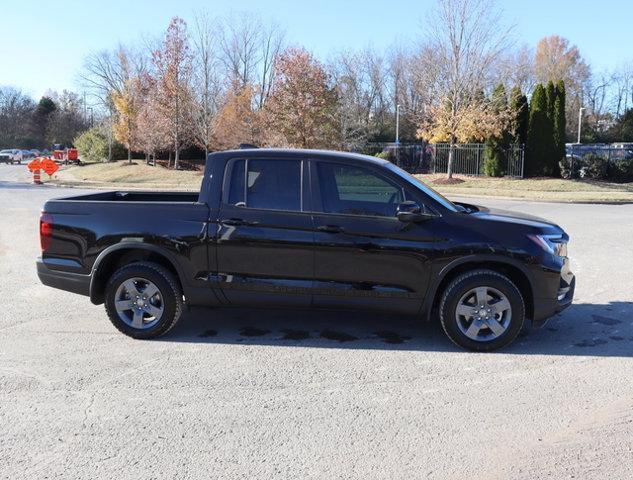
[365,256]
[265,237]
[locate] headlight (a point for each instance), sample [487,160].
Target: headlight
[554,244]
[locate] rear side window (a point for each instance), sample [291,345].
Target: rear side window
[357,191]
[266,184]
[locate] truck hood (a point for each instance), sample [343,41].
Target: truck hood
[499,215]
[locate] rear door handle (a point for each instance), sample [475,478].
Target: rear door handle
[330,228]
[237,222]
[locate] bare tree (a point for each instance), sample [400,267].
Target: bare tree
[622,91]
[206,79]
[466,38]
[16,111]
[240,47]
[359,79]
[250,49]
[106,72]
[516,69]
[271,45]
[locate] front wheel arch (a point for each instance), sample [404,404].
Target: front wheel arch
[513,272]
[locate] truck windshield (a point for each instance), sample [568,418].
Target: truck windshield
[446,203]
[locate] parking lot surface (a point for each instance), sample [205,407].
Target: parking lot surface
[235,393]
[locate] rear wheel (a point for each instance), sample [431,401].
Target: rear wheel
[143,300]
[482,310]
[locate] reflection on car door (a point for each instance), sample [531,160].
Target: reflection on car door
[365,256]
[265,236]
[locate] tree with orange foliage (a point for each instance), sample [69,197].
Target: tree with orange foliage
[237,121]
[127,103]
[301,106]
[174,102]
[557,60]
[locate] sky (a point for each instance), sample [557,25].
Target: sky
[44,42]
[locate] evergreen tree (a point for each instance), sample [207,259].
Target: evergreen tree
[559,122]
[494,153]
[41,118]
[519,105]
[540,136]
[551,161]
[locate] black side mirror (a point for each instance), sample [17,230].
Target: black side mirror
[410,211]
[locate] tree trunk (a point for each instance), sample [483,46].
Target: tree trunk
[129,156]
[451,154]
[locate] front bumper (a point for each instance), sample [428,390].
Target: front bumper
[546,308]
[69,281]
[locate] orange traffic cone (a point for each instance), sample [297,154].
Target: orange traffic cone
[36,177]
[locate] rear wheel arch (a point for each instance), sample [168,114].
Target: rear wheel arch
[110,260]
[517,275]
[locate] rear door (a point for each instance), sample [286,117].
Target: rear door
[365,256]
[265,239]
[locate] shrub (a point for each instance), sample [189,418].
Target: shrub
[621,170]
[383,155]
[594,167]
[93,146]
[493,159]
[566,165]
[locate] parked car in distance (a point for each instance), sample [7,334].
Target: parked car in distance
[11,156]
[28,155]
[311,229]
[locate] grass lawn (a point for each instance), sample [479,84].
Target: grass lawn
[544,189]
[120,175]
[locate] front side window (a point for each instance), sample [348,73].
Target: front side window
[357,191]
[266,184]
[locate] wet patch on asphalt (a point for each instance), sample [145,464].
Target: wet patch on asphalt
[253,332]
[290,334]
[591,343]
[391,337]
[605,320]
[338,336]
[208,333]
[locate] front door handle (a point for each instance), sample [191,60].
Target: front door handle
[330,228]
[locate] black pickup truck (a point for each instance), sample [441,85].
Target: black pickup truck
[307,228]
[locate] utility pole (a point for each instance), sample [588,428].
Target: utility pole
[580,122]
[397,124]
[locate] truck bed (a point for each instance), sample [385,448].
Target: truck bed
[140,196]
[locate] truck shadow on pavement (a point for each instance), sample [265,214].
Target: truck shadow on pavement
[583,330]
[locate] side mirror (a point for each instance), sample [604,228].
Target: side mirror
[411,212]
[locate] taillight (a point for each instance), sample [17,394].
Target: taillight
[46,230]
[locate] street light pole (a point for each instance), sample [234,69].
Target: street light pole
[397,124]
[580,122]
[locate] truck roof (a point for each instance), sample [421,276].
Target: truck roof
[282,153]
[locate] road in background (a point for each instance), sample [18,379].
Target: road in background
[235,393]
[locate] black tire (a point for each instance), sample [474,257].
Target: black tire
[170,296]
[463,284]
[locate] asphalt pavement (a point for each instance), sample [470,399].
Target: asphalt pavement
[236,393]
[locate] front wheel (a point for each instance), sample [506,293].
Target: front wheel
[143,300]
[482,310]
